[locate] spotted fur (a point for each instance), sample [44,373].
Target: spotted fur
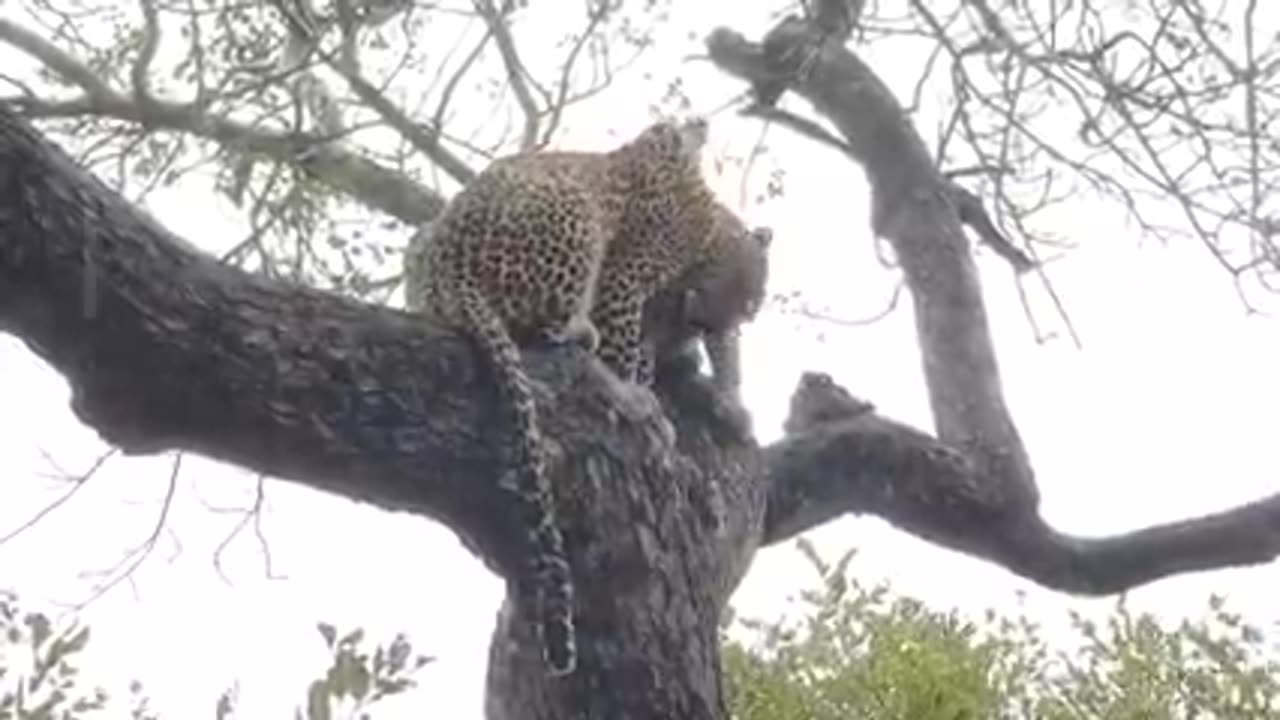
[515,260]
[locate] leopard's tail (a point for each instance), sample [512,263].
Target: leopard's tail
[548,564]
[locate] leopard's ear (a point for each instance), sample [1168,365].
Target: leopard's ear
[763,235]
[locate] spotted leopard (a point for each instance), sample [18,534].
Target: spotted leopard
[514,260]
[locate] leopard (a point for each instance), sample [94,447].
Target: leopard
[514,261]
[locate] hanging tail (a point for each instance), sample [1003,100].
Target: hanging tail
[548,564]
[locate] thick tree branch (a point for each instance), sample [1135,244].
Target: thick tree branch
[167,349]
[911,206]
[164,348]
[844,458]
[364,180]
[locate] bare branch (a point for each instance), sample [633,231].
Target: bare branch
[77,483]
[251,515]
[1251,113]
[41,293]
[497,21]
[140,72]
[366,181]
[343,170]
[800,125]
[426,140]
[451,86]
[347,65]
[840,457]
[912,208]
[974,215]
[64,65]
[1163,114]
[968,205]
[133,559]
[595,16]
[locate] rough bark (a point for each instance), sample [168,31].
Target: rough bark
[853,460]
[166,349]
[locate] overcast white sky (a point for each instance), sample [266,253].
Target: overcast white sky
[1161,416]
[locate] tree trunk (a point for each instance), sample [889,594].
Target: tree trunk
[661,532]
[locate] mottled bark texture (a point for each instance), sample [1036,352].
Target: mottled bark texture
[166,349]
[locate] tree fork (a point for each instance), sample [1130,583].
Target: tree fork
[165,348]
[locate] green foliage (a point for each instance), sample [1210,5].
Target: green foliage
[852,651]
[859,651]
[1129,668]
[40,677]
[355,679]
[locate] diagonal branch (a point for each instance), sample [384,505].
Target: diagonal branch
[425,140]
[140,72]
[165,348]
[912,208]
[497,20]
[974,215]
[62,64]
[366,181]
[846,459]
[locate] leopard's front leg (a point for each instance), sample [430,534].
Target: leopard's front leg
[618,317]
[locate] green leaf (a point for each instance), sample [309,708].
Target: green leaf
[318,701]
[327,632]
[39,627]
